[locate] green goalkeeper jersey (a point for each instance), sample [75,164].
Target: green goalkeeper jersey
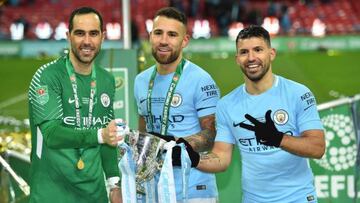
[58,142]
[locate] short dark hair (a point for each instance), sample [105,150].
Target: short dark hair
[173,13]
[254,31]
[84,10]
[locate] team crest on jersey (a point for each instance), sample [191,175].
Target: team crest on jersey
[281,117]
[105,100]
[42,94]
[176,100]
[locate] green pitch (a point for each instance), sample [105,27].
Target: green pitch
[324,73]
[15,77]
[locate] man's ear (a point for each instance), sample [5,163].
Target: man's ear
[103,36]
[186,41]
[272,54]
[237,60]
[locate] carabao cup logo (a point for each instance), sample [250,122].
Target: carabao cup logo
[340,138]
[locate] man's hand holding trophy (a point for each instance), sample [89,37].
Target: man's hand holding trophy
[143,156]
[114,133]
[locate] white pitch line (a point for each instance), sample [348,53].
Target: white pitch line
[13,100]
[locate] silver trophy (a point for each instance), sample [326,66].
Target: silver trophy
[147,154]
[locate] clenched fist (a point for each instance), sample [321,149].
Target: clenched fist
[114,132]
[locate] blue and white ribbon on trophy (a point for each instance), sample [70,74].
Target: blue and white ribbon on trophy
[126,165]
[185,171]
[150,192]
[166,185]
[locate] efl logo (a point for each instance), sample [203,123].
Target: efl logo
[339,160]
[340,143]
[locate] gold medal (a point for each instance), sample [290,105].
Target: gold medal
[80,164]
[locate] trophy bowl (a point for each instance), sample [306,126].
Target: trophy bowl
[147,154]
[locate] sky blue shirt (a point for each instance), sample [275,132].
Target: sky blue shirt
[195,96]
[270,174]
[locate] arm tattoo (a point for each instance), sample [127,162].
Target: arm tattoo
[210,158]
[204,140]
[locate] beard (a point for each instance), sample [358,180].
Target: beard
[165,59]
[259,75]
[84,59]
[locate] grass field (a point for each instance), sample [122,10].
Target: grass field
[322,72]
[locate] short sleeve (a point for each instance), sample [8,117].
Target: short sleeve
[306,111]
[207,96]
[223,132]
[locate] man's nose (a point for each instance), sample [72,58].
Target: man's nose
[87,38]
[251,56]
[164,39]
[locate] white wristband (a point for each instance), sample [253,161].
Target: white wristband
[99,136]
[113,182]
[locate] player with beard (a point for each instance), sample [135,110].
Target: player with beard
[275,124]
[71,119]
[183,92]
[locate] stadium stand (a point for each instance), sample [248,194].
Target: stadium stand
[340,17]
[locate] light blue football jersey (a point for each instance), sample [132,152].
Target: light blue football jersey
[196,95]
[270,174]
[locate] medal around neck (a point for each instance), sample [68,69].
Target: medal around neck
[80,164]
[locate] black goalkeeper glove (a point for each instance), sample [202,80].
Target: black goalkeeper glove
[176,154]
[168,138]
[266,133]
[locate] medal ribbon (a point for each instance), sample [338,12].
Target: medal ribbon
[72,76]
[169,96]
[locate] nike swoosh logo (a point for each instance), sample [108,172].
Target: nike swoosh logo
[71,101]
[141,101]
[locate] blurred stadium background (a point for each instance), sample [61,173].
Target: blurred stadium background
[318,45]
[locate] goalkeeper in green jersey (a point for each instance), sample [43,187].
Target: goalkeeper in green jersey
[74,133]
